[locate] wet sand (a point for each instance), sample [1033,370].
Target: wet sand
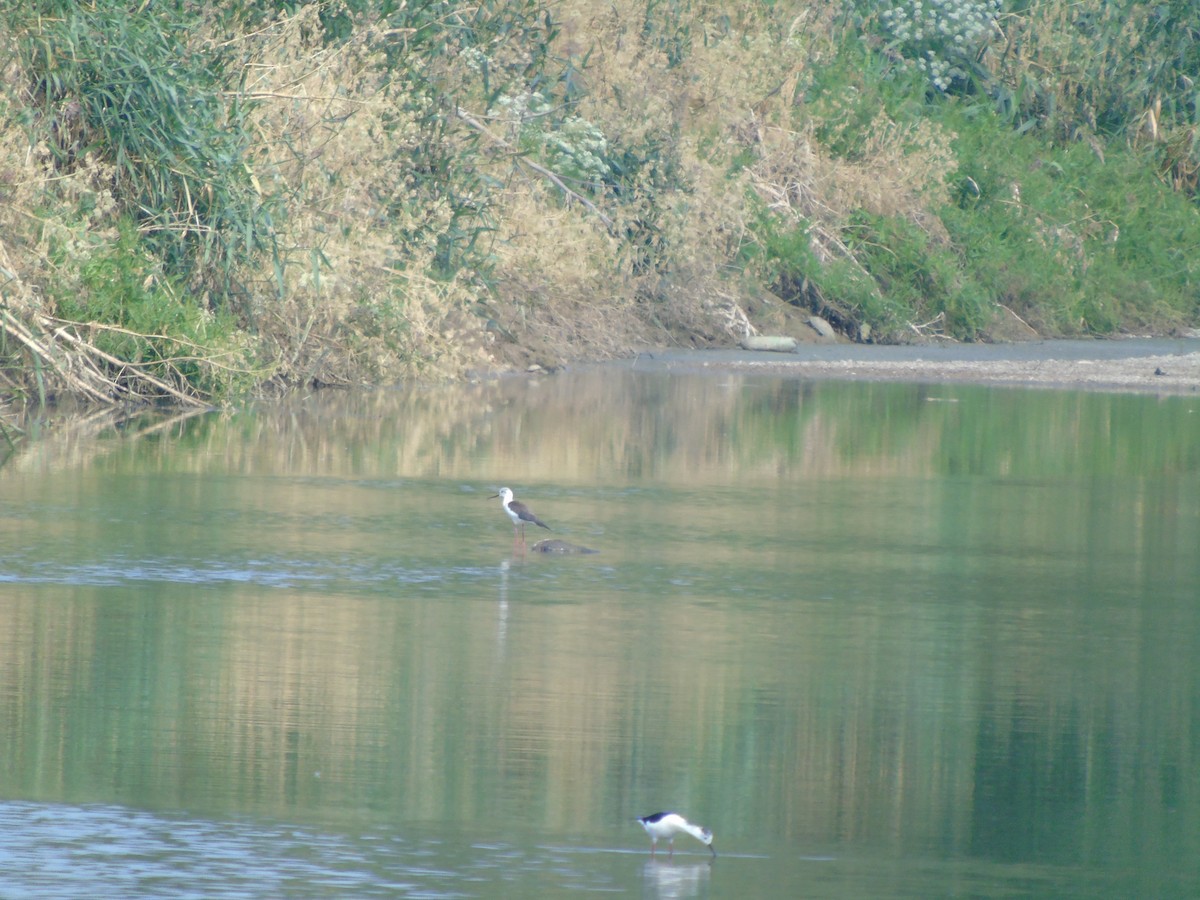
[1143,365]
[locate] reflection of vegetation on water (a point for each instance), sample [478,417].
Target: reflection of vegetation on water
[609,425]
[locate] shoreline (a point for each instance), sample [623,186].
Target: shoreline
[1139,365]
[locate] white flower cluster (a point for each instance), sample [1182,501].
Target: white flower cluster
[575,149]
[939,35]
[580,149]
[474,58]
[522,107]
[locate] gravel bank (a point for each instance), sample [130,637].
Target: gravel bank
[1144,365]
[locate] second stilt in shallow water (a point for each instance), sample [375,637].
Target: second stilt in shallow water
[668,824]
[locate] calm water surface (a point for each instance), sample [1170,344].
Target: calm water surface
[885,640]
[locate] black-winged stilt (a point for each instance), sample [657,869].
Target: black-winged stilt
[520,514]
[668,824]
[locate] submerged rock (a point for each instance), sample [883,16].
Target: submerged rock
[554,545]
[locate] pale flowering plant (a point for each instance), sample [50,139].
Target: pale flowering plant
[940,38]
[571,146]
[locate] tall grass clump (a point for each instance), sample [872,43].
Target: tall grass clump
[126,86]
[135,161]
[1125,69]
[394,172]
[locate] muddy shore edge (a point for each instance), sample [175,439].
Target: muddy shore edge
[1143,365]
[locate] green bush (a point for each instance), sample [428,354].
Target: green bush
[123,84]
[137,314]
[1074,240]
[838,289]
[923,276]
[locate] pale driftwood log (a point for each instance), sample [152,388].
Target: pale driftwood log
[777,343]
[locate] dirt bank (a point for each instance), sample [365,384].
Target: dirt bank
[1145,365]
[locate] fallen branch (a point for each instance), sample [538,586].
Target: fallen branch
[203,354]
[43,354]
[79,367]
[940,321]
[163,386]
[1010,311]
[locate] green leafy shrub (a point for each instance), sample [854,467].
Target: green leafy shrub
[124,84]
[137,314]
[922,275]
[836,288]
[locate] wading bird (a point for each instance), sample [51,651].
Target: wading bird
[668,824]
[520,514]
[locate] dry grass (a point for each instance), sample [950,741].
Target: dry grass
[566,282]
[355,307]
[733,96]
[560,278]
[28,227]
[901,173]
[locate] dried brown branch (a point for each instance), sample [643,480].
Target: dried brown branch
[83,346]
[83,369]
[84,379]
[203,354]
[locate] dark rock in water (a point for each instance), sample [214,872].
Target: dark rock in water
[553,545]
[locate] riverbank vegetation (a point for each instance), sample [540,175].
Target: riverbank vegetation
[199,201]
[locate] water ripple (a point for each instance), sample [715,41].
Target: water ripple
[55,851]
[280,573]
